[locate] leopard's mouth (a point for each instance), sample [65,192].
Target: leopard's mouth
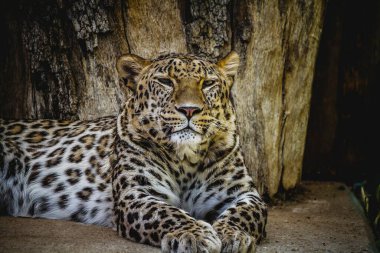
[186,129]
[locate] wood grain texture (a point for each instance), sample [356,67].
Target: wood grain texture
[274,89]
[154,27]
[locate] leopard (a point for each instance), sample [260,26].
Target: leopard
[167,171]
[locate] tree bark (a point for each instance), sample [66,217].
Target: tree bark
[59,63]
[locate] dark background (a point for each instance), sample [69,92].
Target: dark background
[342,139]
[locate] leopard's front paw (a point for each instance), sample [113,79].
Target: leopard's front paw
[235,240]
[199,238]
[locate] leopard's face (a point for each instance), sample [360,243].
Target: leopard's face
[179,100]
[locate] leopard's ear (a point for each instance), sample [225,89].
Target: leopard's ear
[230,64]
[129,67]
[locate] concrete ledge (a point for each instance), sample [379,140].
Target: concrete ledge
[322,219]
[40,235]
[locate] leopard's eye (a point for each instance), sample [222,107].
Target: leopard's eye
[166,82]
[208,83]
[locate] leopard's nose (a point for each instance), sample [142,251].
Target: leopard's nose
[189,111]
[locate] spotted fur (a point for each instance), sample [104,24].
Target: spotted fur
[168,171]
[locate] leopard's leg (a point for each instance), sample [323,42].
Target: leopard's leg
[242,224]
[13,170]
[143,214]
[229,201]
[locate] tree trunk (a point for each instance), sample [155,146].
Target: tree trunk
[59,62]
[274,88]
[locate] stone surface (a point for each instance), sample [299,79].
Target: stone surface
[323,218]
[38,235]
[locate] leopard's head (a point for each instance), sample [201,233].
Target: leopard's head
[179,101]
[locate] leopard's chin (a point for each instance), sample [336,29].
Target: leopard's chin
[186,136]
[186,144]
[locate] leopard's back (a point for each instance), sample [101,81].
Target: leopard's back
[57,169]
